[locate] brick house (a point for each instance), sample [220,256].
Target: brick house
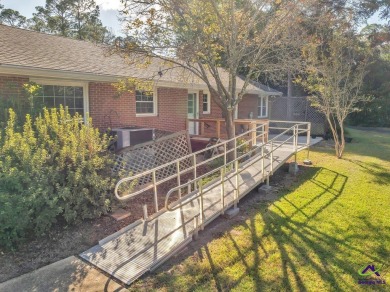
[80,75]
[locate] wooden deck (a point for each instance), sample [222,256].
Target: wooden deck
[146,244]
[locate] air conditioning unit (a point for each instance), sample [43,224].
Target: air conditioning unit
[129,136]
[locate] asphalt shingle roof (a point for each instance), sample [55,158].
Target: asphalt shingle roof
[35,50]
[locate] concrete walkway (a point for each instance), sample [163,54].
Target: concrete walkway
[70,274]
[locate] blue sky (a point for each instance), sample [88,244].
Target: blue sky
[108,10]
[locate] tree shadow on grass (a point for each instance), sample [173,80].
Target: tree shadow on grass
[281,228]
[281,237]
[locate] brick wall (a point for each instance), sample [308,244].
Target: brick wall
[248,104]
[11,86]
[107,110]
[12,95]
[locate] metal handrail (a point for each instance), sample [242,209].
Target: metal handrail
[295,135]
[197,180]
[192,155]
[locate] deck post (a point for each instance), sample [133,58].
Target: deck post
[201,128]
[145,211]
[223,190]
[155,190]
[178,177]
[218,129]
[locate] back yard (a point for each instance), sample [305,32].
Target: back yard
[313,234]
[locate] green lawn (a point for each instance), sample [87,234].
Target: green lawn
[331,222]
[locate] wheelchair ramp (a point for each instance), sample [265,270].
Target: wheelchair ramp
[149,242]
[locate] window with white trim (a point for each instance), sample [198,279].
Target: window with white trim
[53,96]
[206,103]
[262,110]
[145,103]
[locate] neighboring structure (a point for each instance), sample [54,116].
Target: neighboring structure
[300,110]
[80,74]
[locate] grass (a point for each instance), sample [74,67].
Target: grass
[332,221]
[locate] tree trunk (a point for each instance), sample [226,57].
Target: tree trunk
[231,132]
[341,142]
[338,143]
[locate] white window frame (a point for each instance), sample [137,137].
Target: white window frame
[155,105]
[208,103]
[60,82]
[262,101]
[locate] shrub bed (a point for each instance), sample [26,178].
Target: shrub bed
[52,168]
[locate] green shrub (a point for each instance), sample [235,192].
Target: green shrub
[50,169]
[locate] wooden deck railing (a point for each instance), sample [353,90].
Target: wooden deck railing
[208,127]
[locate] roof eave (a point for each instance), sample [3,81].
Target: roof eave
[9,69]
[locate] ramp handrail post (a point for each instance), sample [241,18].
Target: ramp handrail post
[308,139]
[178,177]
[262,160]
[263,133]
[253,133]
[224,156]
[194,158]
[223,190]
[155,190]
[272,157]
[145,211]
[188,186]
[235,148]
[196,226]
[201,205]
[237,186]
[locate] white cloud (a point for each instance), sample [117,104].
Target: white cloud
[109,4]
